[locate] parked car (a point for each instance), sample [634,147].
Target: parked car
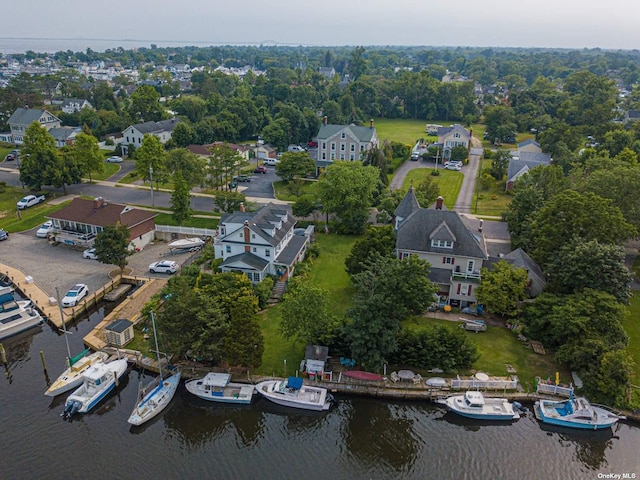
[312,144]
[242,178]
[260,169]
[73,296]
[271,161]
[415,156]
[9,157]
[295,148]
[114,159]
[452,166]
[90,253]
[454,162]
[44,229]
[4,235]
[30,201]
[165,266]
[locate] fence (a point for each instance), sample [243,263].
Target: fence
[491,384]
[197,232]
[551,389]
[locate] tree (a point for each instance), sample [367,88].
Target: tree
[357,63]
[570,215]
[112,245]
[87,151]
[244,342]
[386,292]
[502,288]
[180,199]
[145,104]
[188,164]
[294,165]
[377,240]
[229,201]
[500,163]
[306,313]
[151,157]
[40,159]
[183,134]
[427,191]
[346,190]
[581,265]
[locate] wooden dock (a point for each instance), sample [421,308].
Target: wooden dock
[47,303]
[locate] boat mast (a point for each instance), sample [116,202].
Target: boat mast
[64,327]
[155,336]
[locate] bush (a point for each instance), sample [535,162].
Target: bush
[303,207]
[263,291]
[435,173]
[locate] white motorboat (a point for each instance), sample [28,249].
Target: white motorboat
[15,315]
[190,244]
[98,381]
[72,377]
[473,404]
[576,413]
[293,393]
[155,397]
[216,387]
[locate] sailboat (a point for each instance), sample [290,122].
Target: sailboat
[156,396]
[76,365]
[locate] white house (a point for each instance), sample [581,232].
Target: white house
[23,117]
[163,129]
[260,243]
[344,142]
[74,105]
[454,136]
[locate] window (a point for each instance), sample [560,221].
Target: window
[353,147]
[267,252]
[255,249]
[362,148]
[333,146]
[470,266]
[333,156]
[228,248]
[342,147]
[253,235]
[448,260]
[324,156]
[324,145]
[343,136]
[464,289]
[342,156]
[352,156]
[240,235]
[441,243]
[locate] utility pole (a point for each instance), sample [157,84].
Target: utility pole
[151,183]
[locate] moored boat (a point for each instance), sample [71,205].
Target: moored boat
[293,393]
[576,412]
[216,387]
[15,315]
[72,376]
[98,381]
[473,404]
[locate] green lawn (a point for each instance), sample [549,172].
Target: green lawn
[109,169]
[403,130]
[329,273]
[196,222]
[449,182]
[491,202]
[283,191]
[29,217]
[497,347]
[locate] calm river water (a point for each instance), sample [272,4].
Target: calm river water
[360,438]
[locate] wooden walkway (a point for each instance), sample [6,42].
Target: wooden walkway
[47,304]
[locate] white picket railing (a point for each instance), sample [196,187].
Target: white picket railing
[491,384]
[551,389]
[198,232]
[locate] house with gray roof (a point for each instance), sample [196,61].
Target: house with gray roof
[519,259]
[134,134]
[522,162]
[260,243]
[454,136]
[408,205]
[344,142]
[529,145]
[456,253]
[64,135]
[23,117]
[74,105]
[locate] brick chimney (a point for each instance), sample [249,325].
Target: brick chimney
[242,207]
[98,202]
[439,202]
[324,120]
[371,123]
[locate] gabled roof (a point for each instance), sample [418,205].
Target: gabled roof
[26,116]
[525,162]
[261,221]
[415,232]
[444,131]
[363,134]
[157,127]
[529,141]
[292,250]
[62,133]
[74,101]
[519,258]
[84,211]
[442,232]
[249,259]
[119,325]
[408,205]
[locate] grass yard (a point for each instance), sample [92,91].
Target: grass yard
[109,169]
[283,192]
[328,272]
[405,131]
[497,347]
[449,182]
[494,201]
[29,217]
[196,222]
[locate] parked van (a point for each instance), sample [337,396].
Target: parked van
[271,161]
[295,149]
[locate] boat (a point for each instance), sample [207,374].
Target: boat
[190,244]
[156,396]
[15,315]
[97,382]
[72,377]
[473,404]
[576,412]
[293,393]
[216,387]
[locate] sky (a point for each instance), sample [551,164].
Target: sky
[613,24]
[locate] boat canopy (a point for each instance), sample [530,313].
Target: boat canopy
[295,383]
[213,379]
[73,360]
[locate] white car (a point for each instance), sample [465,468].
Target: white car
[45,229]
[452,166]
[165,266]
[114,159]
[73,296]
[90,253]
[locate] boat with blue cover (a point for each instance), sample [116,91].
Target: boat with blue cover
[576,412]
[294,393]
[15,315]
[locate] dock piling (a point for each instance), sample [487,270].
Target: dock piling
[44,363]
[3,354]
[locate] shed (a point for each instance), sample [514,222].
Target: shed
[119,333]
[315,358]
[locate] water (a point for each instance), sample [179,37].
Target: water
[361,438]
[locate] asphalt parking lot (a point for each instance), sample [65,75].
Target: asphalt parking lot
[261,184]
[63,267]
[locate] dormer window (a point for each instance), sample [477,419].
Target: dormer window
[343,136]
[441,243]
